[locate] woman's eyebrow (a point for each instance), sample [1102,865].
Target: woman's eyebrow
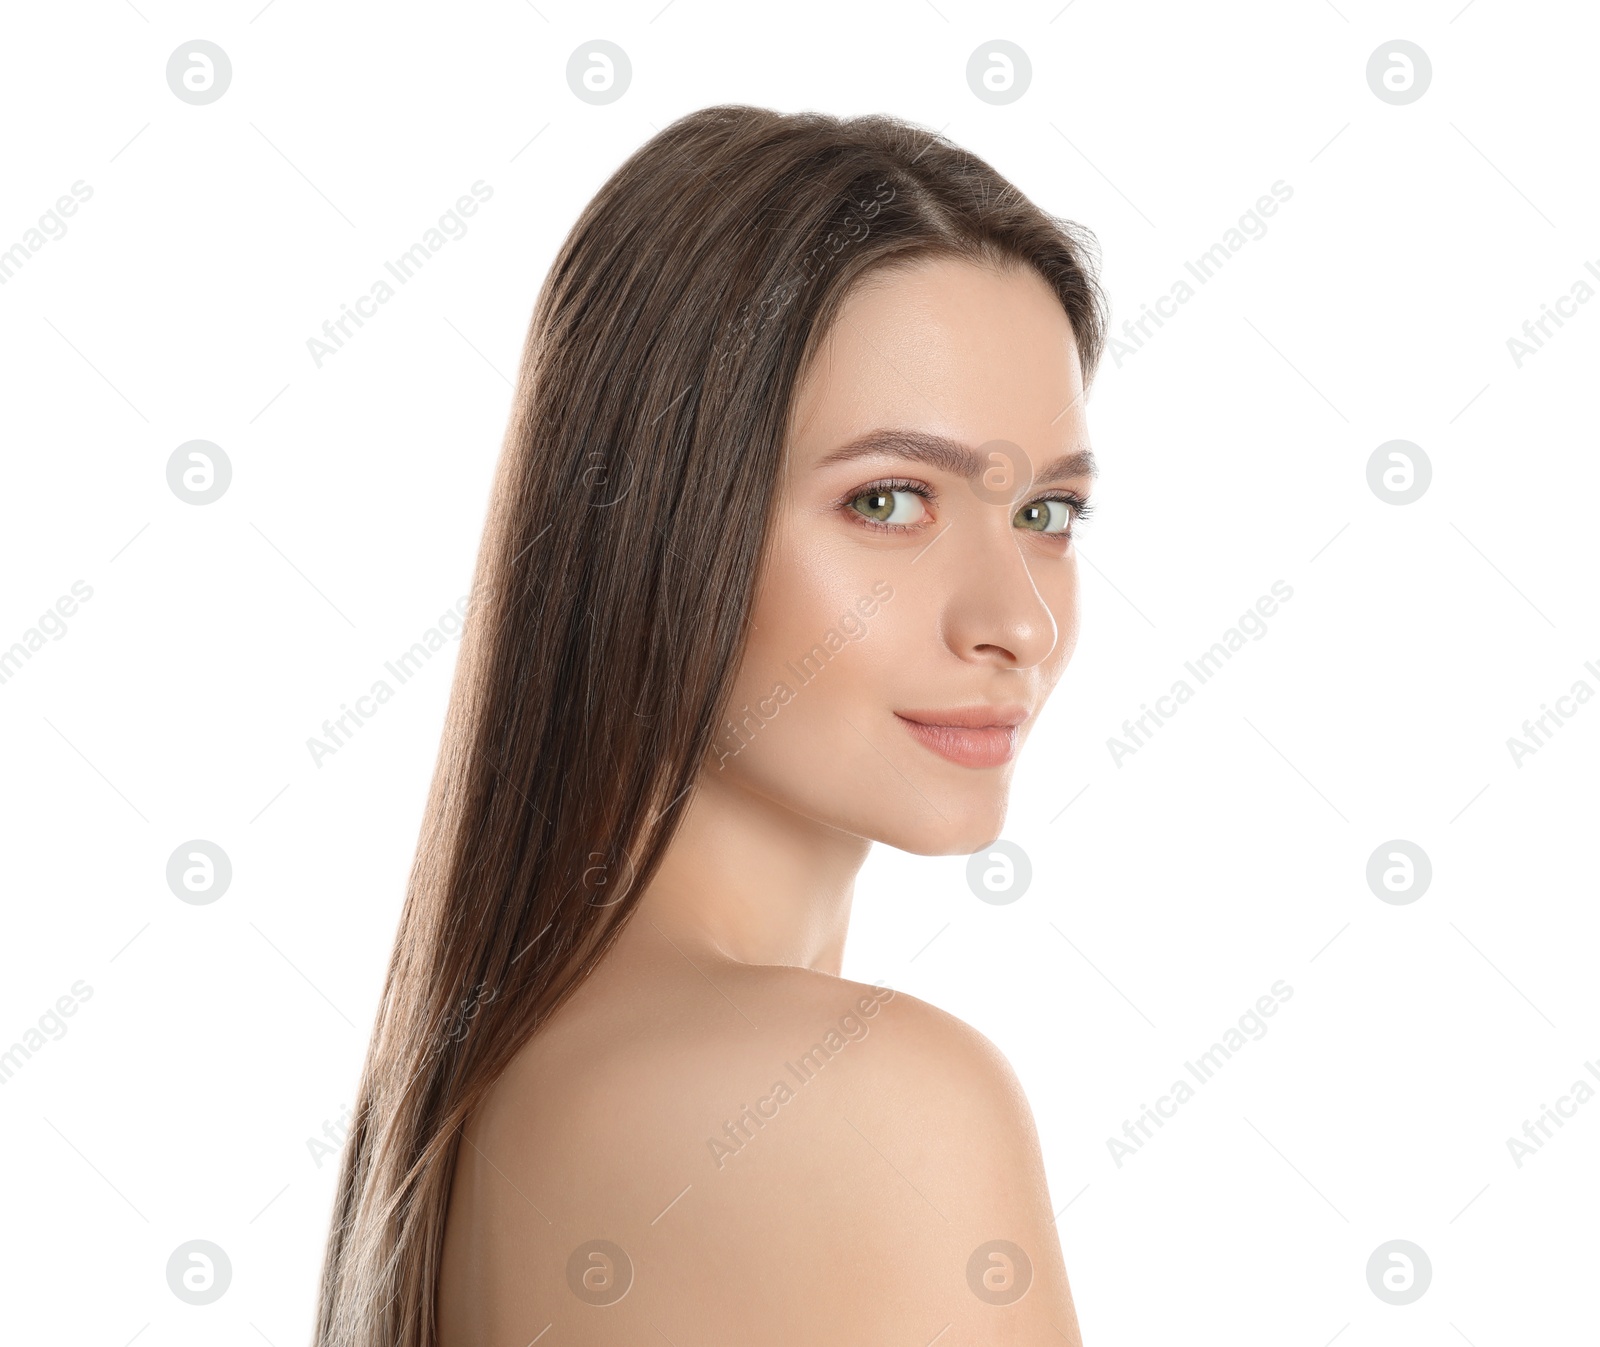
[939,451]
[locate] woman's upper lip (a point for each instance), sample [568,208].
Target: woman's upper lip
[978,717]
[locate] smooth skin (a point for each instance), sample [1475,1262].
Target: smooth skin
[844,1208]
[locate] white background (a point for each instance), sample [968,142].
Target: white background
[1169,890]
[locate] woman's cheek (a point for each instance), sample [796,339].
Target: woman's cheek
[1063,603]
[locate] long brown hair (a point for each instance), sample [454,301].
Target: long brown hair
[627,527]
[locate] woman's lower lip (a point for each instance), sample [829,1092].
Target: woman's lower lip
[967,747]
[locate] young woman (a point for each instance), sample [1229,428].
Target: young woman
[779,563]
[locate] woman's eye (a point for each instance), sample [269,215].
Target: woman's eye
[890,507]
[1045,516]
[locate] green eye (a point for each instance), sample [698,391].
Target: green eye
[1048,516]
[884,505]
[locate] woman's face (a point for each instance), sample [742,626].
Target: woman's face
[921,598]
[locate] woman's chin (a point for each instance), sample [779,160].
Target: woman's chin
[959,832]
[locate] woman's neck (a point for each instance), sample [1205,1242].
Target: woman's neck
[753,882]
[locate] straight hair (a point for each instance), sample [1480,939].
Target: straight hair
[627,527]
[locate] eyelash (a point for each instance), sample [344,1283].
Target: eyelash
[1082,506]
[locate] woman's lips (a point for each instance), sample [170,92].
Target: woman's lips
[966,745]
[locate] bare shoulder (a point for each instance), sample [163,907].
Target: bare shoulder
[877,1056]
[758,1146]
